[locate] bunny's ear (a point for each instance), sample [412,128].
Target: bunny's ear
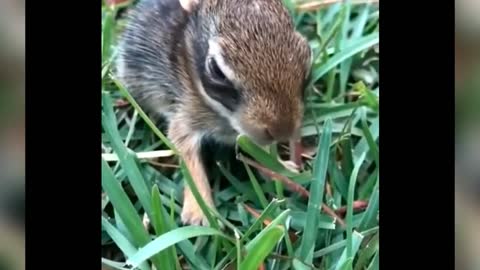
[189,5]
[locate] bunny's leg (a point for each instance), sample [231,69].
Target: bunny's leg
[187,142]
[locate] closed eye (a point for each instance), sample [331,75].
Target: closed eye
[215,70]
[219,87]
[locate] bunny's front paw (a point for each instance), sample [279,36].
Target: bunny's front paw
[192,214]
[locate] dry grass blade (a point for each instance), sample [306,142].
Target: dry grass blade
[276,176]
[291,185]
[254,213]
[142,155]
[357,205]
[267,222]
[334,215]
[164,165]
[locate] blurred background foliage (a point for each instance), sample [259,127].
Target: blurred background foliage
[12,145]
[467,134]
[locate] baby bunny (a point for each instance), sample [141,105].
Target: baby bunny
[215,69]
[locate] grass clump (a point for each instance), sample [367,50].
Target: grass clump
[324,216]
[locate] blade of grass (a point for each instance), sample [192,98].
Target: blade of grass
[271,207]
[351,194]
[332,32]
[256,186]
[126,158]
[262,248]
[121,241]
[361,21]
[169,239]
[338,179]
[172,206]
[341,41]
[370,141]
[319,27]
[108,33]
[347,157]
[225,223]
[288,240]
[278,185]
[223,262]
[356,33]
[332,73]
[345,261]
[264,157]
[330,13]
[316,195]
[125,208]
[131,130]
[238,244]
[105,201]
[243,214]
[367,253]
[275,223]
[113,264]
[213,250]
[338,245]
[160,215]
[369,218]
[120,226]
[299,219]
[332,256]
[375,262]
[293,186]
[351,50]
[366,189]
[147,120]
[239,186]
[264,242]
[229,194]
[279,189]
[189,253]
[362,145]
[123,205]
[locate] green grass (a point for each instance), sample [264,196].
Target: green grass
[263,222]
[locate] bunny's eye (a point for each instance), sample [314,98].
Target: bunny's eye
[215,70]
[218,86]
